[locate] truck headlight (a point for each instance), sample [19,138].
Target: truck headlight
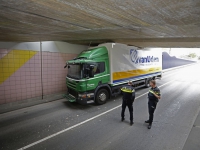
[82,95]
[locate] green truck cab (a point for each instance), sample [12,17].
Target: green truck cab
[87,74]
[99,73]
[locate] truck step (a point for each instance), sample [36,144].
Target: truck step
[69,98]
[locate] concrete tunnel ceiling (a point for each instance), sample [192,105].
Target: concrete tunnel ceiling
[143,23]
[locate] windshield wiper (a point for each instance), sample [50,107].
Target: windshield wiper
[68,76]
[73,77]
[80,58]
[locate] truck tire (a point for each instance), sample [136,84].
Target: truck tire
[101,97]
[147,82]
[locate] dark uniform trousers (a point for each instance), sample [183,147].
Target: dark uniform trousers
[153,100]
[128,103]
[152,107]
[127,100]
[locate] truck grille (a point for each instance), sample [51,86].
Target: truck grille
[73,92]
[72,85]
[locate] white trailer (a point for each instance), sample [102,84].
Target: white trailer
[128,63]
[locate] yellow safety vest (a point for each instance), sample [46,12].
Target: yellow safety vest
[151,91]
[127,90]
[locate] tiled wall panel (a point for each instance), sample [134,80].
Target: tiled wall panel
[20,74]
[54,74]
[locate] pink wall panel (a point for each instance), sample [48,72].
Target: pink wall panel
[25,83]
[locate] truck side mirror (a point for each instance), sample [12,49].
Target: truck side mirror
[91,73]
[67,66]
[91,67]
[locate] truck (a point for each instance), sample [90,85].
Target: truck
[98,73]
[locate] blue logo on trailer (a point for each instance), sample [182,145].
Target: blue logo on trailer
[133,54]
[141,60]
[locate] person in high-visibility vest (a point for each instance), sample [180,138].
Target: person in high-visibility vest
[153,96]
[128,93]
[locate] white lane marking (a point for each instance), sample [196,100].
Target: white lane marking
[165,76]
[178,70]
[83,122]
[164,84]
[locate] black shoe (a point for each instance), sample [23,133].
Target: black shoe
[131,123]
[149,126]
[122,119]
[147,121]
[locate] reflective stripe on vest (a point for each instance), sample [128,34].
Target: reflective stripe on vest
[153,92]
[127,90]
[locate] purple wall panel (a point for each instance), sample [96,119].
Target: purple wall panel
[172,61]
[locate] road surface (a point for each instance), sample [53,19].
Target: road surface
[60,125]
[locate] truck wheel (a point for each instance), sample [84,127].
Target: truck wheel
[101,97]
[147,82]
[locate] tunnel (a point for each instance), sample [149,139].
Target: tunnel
[64,65]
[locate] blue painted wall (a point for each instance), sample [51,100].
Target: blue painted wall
[172,61]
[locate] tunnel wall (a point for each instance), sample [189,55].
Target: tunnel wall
[21,73]
[172,61]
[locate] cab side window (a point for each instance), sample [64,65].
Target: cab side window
[99,67]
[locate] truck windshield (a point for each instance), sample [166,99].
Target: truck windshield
[75,71]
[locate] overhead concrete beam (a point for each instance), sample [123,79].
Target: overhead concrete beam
[142,23]
[169,42]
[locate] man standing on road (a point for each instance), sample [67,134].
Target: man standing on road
[128,99]
[153,96]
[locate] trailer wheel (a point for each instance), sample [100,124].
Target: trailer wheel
[147,82]
[101,97]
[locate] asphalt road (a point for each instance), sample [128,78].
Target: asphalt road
[61,125]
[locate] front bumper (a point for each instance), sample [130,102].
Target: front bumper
[86,100]
[81,98]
